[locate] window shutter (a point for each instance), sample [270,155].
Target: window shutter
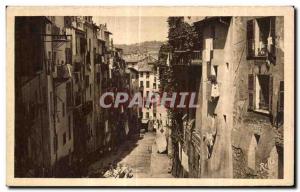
[273,34]
[281,96]
[251,91]
[272,51]
[208,70]
[250,38]
[271,94]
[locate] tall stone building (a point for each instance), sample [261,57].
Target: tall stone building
[63,65]
[237,129]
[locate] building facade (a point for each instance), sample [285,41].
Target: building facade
[63,65]
[236,130]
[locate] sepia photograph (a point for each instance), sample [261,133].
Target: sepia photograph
[150,96]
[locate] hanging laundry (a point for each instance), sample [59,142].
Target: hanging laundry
[185,161]
[179,151]
[206,55]
[69,67]
[270,43]
[168,60]
[213,71]
[126,128]
[215,91]
[209,44]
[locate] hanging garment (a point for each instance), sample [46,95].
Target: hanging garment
[185,161]
[213,71]
[69,67]
[179,151]
[126,128]
[209,44]
[168,60]
[206,55]
[215,91]
[270,43]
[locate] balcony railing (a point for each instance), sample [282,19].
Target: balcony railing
[196,57]
[258,50]
[187,57]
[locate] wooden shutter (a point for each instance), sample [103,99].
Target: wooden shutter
[270,94]
[250,38]
[251,91]
[272,51]
[208,70]
[281,96]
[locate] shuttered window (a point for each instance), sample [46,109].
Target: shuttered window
[271,94]
[281,96]
[250,38]
[251,91]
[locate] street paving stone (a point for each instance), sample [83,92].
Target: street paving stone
[141,156]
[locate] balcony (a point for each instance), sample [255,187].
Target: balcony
[257,50]
[187,57]
[196,57]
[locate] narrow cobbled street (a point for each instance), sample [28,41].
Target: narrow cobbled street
[139,154]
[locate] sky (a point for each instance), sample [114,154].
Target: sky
[130,30]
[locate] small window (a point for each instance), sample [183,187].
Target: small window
[141,74]
[260,37]
[260,88]
[154,85]
[147,84]
[147,115]
[141,84]
[147,75]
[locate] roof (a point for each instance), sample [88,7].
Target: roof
[144,66]
[133,58]
[211,19]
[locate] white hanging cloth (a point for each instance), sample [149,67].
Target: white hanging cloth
[213,71]
[209,44]
[206,55]
[69,67]
[215,91]
[168,60]
[185,161]
[126,128]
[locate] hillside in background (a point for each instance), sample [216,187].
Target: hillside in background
[150,47]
